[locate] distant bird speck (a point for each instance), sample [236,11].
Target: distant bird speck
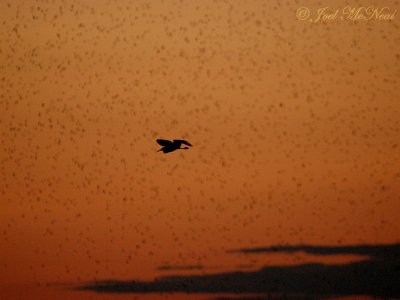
[169,146]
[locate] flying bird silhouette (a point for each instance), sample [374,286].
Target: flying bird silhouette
[169,146]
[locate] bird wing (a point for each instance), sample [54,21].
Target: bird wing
[183,142]
[164,142]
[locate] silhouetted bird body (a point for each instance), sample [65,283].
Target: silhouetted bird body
[169,146]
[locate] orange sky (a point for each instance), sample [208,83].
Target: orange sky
[295,130]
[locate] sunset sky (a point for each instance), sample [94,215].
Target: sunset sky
[295,128]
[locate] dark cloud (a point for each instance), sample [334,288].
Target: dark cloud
[179,268]
[369,250]
[267,297]
[377,276]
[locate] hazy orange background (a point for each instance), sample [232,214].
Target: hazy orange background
[295,127]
